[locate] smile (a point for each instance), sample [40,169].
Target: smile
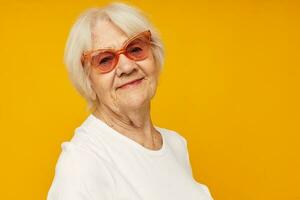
[131,84]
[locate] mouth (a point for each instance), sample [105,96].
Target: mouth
[131,83]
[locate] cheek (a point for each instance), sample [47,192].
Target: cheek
[101,83]
[150,67]
[152,72]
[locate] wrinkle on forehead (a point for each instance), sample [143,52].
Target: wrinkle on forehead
[100,37]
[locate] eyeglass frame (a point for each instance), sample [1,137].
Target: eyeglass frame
[86,56]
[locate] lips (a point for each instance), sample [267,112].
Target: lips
[130,82]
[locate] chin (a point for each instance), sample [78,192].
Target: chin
[136,101]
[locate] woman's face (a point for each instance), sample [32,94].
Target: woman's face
[107,86]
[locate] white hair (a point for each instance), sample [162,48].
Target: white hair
[129,19]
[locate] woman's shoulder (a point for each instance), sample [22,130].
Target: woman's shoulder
[176,142]
[83,144]
[77,172]
[78,155]
[81,150]
[172,135]
[73,157]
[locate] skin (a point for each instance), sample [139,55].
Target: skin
[127,110]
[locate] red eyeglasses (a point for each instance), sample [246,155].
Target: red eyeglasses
[135,48]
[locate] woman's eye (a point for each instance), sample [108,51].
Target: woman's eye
[135,49]
[105,60]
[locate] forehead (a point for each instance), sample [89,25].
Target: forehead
[105,34]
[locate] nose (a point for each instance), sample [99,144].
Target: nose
[125,65]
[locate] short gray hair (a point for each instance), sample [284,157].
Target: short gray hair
[129,19]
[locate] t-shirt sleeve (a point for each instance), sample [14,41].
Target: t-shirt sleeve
[189,167]
[187,157]
[81,175]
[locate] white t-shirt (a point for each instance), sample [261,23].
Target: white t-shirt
[99,163]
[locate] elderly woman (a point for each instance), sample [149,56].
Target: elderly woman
[114,57]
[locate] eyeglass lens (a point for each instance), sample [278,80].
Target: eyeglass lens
[135,50]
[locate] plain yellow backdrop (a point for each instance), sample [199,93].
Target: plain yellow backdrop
[230,85]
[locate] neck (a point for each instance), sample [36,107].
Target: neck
[135,123]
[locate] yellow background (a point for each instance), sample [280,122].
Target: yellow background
[230,85]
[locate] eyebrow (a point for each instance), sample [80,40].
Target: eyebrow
[106,47]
